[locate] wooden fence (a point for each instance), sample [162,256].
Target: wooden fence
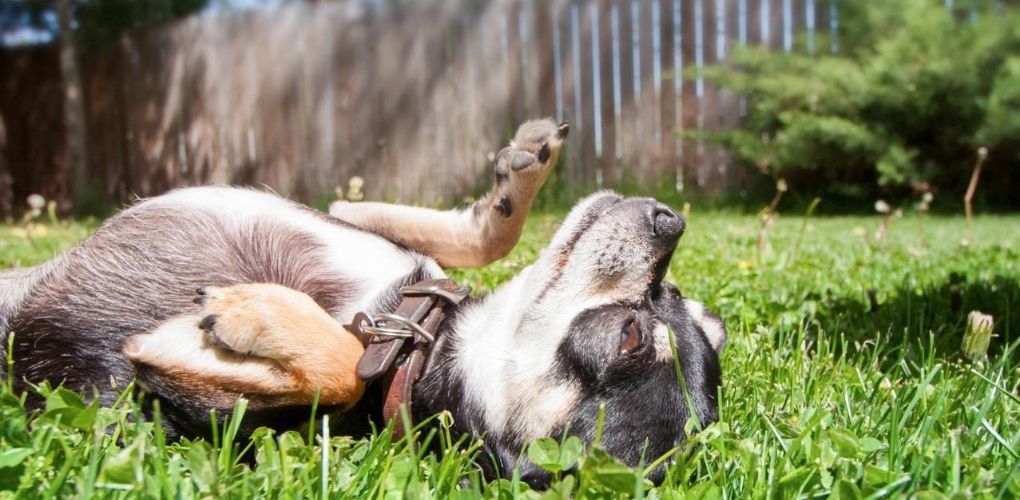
[414,96]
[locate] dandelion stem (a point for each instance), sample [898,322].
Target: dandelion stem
[969,197]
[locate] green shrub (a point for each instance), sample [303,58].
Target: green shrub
[912,95]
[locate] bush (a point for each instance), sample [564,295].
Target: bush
[913,94]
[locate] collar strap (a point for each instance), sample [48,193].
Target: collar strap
[398,344]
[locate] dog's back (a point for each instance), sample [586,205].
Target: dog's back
[70,317]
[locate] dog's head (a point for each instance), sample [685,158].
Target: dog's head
[588,326]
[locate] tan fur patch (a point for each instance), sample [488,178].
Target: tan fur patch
[258,338]
[491,227]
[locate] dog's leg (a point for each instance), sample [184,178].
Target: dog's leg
[487,230]
[259,339]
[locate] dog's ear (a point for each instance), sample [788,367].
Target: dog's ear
[709,322]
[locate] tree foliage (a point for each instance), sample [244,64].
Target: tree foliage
[97,22]
[915,90]
[102,21]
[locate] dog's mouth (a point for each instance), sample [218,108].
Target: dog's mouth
[659,282]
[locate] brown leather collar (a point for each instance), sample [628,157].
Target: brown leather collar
[389,355]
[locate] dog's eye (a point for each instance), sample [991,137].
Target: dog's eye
[544,153]
[630,336]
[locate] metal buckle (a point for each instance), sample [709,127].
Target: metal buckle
[373,326]
[454,297]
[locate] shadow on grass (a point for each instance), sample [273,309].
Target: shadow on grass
[919,322]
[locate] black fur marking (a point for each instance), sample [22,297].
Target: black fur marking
[441,388]
[643,398]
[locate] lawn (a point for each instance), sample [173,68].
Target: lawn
[843,375]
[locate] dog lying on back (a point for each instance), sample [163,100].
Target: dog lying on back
[205,295]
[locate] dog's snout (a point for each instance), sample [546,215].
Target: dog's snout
[664,221]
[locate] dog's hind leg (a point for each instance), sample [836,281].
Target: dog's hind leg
[256,340]
[487,230]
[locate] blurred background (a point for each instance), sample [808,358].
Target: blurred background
[105,100]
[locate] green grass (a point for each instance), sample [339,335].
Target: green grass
[843,376]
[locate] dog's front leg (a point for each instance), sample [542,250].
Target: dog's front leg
[488,229]
[257,339]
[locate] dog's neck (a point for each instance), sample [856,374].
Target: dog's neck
[474,341]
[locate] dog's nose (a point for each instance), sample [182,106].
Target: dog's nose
[665,222]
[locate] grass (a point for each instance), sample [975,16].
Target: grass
[843,377]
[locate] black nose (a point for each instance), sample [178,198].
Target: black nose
[665,222]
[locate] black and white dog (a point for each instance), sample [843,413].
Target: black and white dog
[586,325]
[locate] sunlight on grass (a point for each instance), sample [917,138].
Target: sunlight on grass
[843,375]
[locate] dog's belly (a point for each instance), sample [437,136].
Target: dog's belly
[143,266]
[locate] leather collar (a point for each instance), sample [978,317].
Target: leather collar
[398,344]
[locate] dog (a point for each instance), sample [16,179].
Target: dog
[206,295]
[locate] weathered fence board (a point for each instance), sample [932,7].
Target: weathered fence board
[412,96]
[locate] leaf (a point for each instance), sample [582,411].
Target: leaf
[120,468]
[570,452]
[63,398]
[845,490]
[545,453]
[870,444]
[202,464]
[617,478]
[795,480]
[845,442]
[564,489]
[877,476]
[14,456]
[86,418]
[610,473]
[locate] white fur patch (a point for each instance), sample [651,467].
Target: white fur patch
[365,259]
[709,323]
[179,346]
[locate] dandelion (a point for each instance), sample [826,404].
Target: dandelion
[36,201]
[768,216]
[354,186]
[978,335]
[883,208]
